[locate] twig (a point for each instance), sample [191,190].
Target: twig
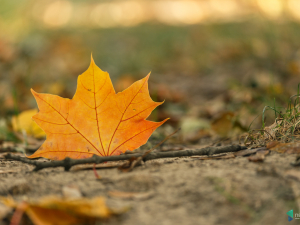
[166,138]
[67,163]
[132,162]
[95,172]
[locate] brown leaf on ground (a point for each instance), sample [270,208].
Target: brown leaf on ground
[272,144]
[259,156]
[271,131]
[227,125]
[290,148]
[223,124]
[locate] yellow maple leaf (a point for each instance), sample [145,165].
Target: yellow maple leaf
[97,120]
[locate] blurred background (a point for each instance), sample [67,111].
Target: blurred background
[216,63]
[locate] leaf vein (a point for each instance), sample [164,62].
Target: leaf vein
[70,125]
[131,138]
[123,115]
[137,114]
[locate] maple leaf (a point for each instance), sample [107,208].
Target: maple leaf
[97,120]
[61,211]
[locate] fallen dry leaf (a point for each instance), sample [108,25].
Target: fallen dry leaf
[271,131]
[259,156]
[4,211]
[24,122]
[290,148]
[54,210]
[272,144]
[223,124]
[97,120]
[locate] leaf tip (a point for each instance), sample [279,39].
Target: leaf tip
[148,75]
[160,103]
[33,92]
[92,59]
[165,120]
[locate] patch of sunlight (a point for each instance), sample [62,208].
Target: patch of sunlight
[294,8]
[271,8]
[127,13]
[224,7]
[106,14]
[178,12]
[58,13]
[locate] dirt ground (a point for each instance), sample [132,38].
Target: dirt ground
[175,190]
[203,73]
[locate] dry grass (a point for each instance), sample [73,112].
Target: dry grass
[285,129]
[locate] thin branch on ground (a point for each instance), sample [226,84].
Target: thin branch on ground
[132,162]
[166,138]
[67,163]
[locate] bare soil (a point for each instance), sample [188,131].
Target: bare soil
[175,190]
